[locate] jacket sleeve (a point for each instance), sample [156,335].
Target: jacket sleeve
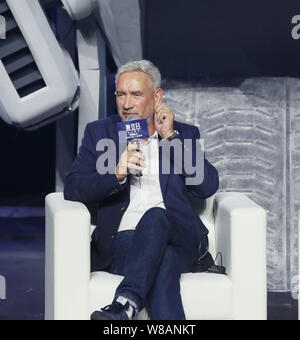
[204,178]
[84,183]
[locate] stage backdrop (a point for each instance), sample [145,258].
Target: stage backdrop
[251,136]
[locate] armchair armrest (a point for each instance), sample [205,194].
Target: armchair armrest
[67,258]
[240,226]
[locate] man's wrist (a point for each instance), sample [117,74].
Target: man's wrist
[122,180]
[172,135]
[121,177]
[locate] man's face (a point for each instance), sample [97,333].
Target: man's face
[135,96]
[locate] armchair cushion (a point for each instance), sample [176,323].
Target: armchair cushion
[204,295]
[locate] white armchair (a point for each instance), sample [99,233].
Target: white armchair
[237,228]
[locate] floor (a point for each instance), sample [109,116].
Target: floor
[22,244]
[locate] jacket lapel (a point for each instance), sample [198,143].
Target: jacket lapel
[163,178]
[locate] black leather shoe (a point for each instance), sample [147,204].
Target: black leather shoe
[115,311]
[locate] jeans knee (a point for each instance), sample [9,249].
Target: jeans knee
[155,212]
[156,218]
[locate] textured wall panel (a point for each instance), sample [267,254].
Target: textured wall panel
[246,124]
[294,161]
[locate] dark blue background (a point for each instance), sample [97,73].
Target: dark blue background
[200,38]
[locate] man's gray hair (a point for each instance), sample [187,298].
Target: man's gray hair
[145,66]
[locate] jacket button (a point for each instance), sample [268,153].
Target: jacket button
[123,208]
[112,236]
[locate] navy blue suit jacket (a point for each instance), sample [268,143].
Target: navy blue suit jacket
[85,184]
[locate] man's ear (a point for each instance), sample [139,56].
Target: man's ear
[158,96]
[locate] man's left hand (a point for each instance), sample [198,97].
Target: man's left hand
[164,120]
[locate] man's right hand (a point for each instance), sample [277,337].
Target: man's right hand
[131,158]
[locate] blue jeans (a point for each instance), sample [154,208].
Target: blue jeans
[151,259]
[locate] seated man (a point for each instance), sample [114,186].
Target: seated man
[147,230]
